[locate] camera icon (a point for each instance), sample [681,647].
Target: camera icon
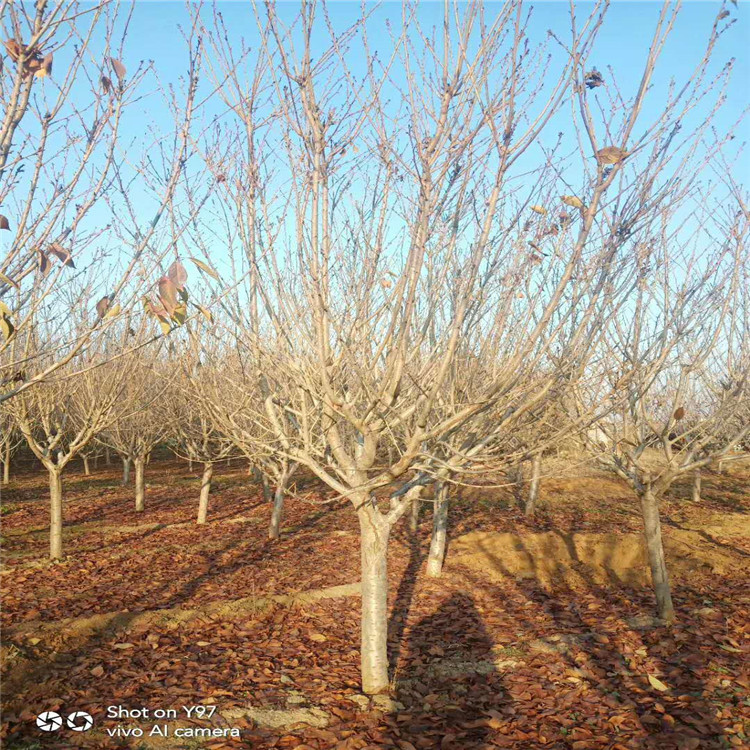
[49,721]
[80,721]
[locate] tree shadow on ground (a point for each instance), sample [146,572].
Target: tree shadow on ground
[446,680]
[607,651]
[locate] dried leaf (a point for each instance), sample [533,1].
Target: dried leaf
[206,313]
[6,327]
[679,413]
[539,210]
[656,683]
[113,311]
[611,155]
[593,79]
[572,200]
[119,69]
[206,269]
[43,262]
[62,255]
[168,294]
[177,274]
[14,49]
[106,84]
[7,280]
[45,68]
[97,671]
[102,306]
[4,222]
[179,314]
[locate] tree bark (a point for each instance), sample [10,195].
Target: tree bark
[55,513]
[439,531]
[125,470]
[107,457]
[208,472]
[536,465]
[656,558]
[274,527]
[86,467]
[414,515]
[190,464]
[140,486]
[697,486]
[6,465]
[374,637]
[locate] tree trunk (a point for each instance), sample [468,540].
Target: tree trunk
[125,470]
[96,461]
[374,644]
[208,472]
[697,486]
[86,468]
[536,465]
[439,531]
[140,486]
[274,527]
[414,515]
[720,467]
[107,457]
[656,559]
[6,465]
[190,464]
[55,514]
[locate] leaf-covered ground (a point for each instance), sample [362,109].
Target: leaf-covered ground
[480,660]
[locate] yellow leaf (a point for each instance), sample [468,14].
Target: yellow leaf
[114,310]
[572,200]
[731,649]
[206,313]
[7,280]
[165,326]
[657,683]
[611,155]
[6,328]
[4,309]
[539,210]
[206,268]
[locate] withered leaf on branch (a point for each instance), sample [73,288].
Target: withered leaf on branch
[7,280]
[206,313]
[106,84]
[679,413]
[6,327]
[539,210]
[62,255]
[206,268]
[4,222]
[177,274]
[43,261]
[45,68]
[13,48]
[119,69]
[611,155]
[571,200]
[593,78]
[102,306]
[168,294]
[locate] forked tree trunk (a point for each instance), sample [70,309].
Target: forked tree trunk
[86,467]
[208,472]
[125,470]
[697,486]
[274,527]
[140,485]
[55,513]
[536,466]
[374,560]
[656,558]
[439,531]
